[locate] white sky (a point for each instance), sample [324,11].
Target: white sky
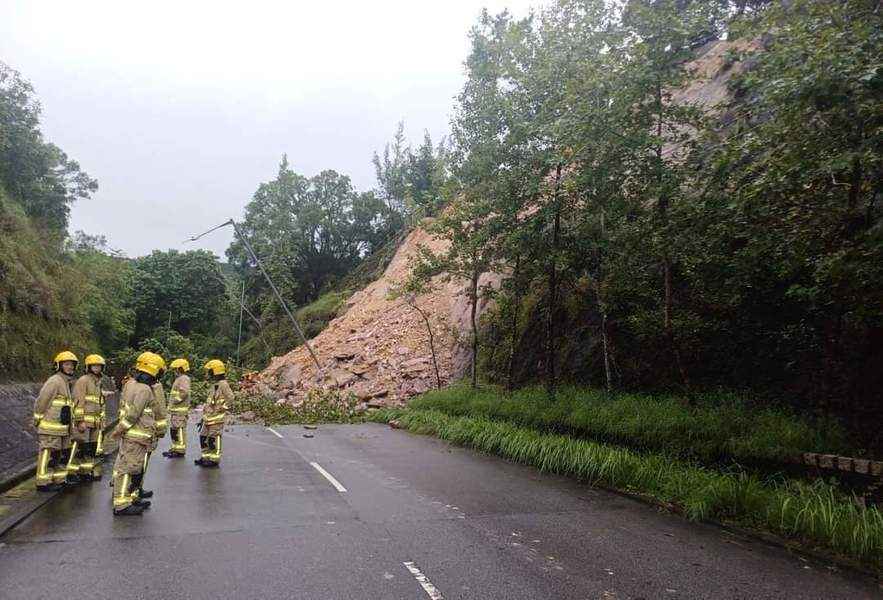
[180,109]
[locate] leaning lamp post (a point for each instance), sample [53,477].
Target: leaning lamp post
[260,266]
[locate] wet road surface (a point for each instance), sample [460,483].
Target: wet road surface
[365,512]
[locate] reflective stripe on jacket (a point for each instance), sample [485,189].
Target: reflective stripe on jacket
[53,397]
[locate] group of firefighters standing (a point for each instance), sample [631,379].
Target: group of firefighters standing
[70,419]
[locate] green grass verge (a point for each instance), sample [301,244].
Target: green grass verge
[813,514]
[716,427]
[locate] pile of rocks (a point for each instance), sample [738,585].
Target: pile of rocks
[379,349]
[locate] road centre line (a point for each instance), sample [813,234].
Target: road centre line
[274,432]
[424,582]
[329,477]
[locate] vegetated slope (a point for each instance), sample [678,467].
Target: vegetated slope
[379,348]
[38,304]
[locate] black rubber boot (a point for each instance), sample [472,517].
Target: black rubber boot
[203,442]
[137,483]
[73,480]
[51,487]
[132,509]
[144,504]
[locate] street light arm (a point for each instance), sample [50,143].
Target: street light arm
[194,238]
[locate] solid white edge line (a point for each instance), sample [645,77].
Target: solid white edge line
[424,582]
[329,477]
[274,432]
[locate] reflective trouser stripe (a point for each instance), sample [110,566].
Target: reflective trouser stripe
[136,433]
[49,427]
[72,459]
[179,410]
[59,473]
[212,453]
[146,462]
[44,475]
[99,443]
[214,419]
[179,440]
[90,460]
[121,495]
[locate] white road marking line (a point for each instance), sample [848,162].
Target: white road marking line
[274,432]
[329,477]
[424,582]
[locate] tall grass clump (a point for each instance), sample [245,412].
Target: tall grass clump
[714,428]
[818,514]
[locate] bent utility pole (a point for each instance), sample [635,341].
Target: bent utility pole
[269,281]
[241,307]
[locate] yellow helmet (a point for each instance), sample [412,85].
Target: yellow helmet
[215,366]
[147,363]
[180,363]
[160,362]
[94,359]
[64,356]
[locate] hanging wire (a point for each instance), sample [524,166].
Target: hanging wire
[260,266]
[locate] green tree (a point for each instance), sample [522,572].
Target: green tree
[181,289]
[35,173]
[308,231]
[107,279]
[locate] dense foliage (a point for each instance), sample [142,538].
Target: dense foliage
[656,241]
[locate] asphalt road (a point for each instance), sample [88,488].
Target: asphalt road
[398,516]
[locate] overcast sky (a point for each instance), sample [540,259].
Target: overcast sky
[180,109]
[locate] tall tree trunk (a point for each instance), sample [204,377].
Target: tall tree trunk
[473,293]
[666,258]
[413,304]
[551,379]
[513,337]
[602,308]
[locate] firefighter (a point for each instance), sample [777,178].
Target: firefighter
[179,409]
[136,428]
[214,414]
[157,409]
[89,420]
[52,419]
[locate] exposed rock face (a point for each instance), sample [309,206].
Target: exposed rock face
[379,349]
